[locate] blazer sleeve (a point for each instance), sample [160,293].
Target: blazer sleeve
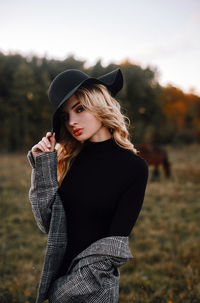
[44,187]
[130,202]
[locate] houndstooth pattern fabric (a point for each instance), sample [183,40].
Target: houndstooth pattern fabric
[93,275]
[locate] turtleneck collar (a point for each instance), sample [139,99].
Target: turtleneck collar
[100,146]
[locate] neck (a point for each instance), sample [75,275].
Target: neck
[101,135]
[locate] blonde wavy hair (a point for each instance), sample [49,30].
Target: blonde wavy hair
[97,99]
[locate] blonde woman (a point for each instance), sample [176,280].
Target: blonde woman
[87,189]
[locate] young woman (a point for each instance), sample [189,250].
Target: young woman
[88,186]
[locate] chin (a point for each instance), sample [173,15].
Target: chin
[81,138]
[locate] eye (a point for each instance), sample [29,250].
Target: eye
[80,109]
[65,117]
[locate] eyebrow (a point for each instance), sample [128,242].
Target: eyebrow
[75,105]
[72,106]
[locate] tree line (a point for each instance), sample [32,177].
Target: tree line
[157,114]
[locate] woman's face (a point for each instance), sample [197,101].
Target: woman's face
[81,123]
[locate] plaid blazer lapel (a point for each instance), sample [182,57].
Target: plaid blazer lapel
[55,250]
[50,216]
[114,247]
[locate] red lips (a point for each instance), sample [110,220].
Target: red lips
[77,131]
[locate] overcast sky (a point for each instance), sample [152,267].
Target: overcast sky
[159,33]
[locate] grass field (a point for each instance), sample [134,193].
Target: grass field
[165,241]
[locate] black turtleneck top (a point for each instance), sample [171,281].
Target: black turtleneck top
[102,194]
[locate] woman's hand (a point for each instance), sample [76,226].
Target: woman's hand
[47,144]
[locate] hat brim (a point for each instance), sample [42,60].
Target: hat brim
[113,81]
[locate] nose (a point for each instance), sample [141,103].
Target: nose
[72,120]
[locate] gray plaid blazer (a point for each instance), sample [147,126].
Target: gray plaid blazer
[93,275]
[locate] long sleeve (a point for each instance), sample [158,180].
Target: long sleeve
[44,187]
[131,201]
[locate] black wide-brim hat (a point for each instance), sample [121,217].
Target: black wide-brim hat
[68,82]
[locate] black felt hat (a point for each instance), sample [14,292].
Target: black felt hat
[68,82]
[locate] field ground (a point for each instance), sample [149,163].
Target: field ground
[165,241]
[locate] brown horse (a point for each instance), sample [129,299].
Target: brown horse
[154,155]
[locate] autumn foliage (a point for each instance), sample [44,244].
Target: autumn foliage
[181,111]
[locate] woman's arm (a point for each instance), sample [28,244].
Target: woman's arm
[44,186]
[131,201]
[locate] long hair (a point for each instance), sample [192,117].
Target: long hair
[97,99]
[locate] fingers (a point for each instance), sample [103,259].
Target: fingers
[36,149]
[41,147]
[47,144]
[51,139]
[48,135]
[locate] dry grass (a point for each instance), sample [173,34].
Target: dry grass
[165,241]
[166,237]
